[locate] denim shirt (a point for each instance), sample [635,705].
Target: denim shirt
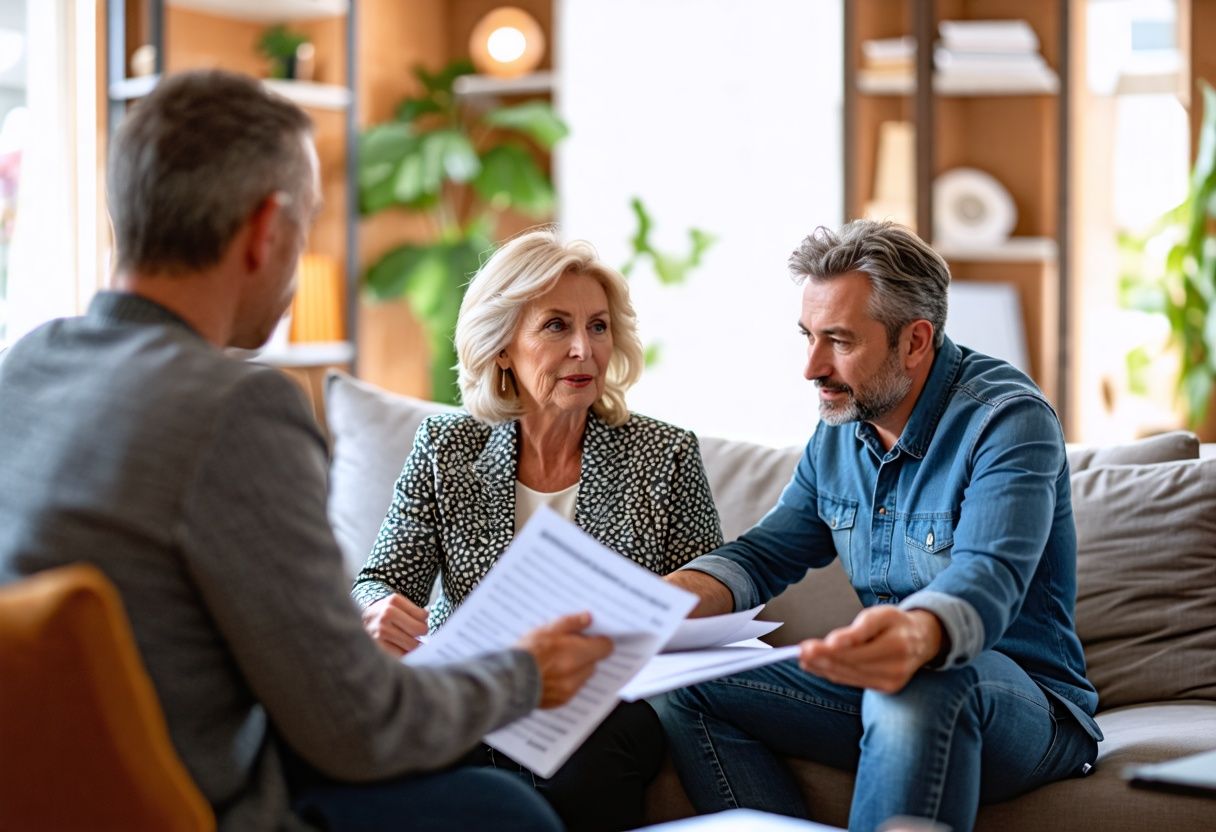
[969,516]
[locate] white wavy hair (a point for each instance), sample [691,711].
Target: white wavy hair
[525,268]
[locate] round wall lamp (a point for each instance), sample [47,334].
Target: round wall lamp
[507,42]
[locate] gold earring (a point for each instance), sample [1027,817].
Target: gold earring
[502,381]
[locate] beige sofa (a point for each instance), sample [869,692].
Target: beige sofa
[1146,608]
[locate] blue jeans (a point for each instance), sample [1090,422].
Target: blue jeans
[949,740]
[455,800]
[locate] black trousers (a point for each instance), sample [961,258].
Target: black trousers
[602,787]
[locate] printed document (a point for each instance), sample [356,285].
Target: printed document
[553,568]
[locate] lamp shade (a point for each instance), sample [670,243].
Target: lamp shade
[507,42]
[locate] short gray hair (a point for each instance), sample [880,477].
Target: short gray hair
[193,160]
[525,268]
[909,280]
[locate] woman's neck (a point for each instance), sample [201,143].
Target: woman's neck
[551,450]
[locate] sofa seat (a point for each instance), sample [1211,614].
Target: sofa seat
[1101,801]
[1146,603]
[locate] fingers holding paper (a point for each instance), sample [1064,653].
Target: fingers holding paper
[395,623]
[565,656]
[881,649]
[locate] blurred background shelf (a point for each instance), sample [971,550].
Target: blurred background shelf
[533,82]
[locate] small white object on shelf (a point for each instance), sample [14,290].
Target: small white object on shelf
[989,35]
[533,82]
[884,51]
[990,57]
[130,88]
[1042,82]
[312,94]
[1014,250]
[871,82]
[268,11]
[972,208]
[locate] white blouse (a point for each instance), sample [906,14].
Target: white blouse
[528,501]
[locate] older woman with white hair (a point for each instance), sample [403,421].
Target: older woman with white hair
[547,345]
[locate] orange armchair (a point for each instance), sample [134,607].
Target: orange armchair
[83,741]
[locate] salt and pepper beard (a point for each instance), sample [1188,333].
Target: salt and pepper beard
[872,399]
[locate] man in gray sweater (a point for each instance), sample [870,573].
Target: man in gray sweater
[197,483]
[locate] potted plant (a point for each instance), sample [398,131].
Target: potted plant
[463,168]
[281,45]
[1182,285]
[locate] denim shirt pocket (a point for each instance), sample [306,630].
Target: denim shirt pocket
[928,540]
[840,515]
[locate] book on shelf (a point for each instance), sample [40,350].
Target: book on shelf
[882,51]
[988,62]
[988,35]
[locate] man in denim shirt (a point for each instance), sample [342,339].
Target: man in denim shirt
[938,477]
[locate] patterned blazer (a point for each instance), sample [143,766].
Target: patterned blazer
[642,493]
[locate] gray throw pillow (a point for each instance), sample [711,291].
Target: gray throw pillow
[372,432]
[1146,580]
[1164,447]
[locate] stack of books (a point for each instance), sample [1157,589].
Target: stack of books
[888,64]
[993,56]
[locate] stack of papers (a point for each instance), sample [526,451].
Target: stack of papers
[553,568]
[997,55]
[887,61]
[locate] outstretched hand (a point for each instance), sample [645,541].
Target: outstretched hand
[881,649]
[566,658]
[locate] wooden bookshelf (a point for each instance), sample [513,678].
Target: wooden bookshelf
[1011,128]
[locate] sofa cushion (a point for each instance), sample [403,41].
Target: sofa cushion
[372,432]
[1165,447]
[1146,580]
[746,480]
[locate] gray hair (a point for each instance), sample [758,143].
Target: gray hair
[193,160]
[908,279]
[525,268]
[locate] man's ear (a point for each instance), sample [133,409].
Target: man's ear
[261,227]
[919,344]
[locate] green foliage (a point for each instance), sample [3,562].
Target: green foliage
[462,168]
[1182,284]
[279,44]
[670,269]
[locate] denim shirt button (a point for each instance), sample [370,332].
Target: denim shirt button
[882,509]
[929,539]
[834,520]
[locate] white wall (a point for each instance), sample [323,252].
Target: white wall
[720,114]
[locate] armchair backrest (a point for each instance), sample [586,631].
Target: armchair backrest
[85,744]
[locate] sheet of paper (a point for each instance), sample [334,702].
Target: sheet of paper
[551,569]
[669,671]
[733,820]
[719,630]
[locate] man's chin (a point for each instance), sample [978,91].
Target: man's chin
[836,416]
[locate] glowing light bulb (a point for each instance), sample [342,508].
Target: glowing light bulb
[506,44]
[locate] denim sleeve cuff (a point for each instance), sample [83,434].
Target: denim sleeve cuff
[960,620]
[731,574]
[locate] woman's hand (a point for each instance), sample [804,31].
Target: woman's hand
[565,657]
[395,623]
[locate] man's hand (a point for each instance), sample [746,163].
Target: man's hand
[566,658]
[716,598]
[395,623]
[881,649]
